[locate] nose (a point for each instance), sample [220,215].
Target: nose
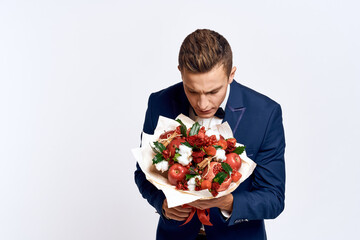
[203,102]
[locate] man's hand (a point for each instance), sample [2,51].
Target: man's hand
[177,213]
[224,203]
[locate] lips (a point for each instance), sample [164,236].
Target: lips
[205,114]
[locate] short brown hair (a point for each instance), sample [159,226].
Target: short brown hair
[204,49]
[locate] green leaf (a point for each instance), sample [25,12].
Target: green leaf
[195,129]
[220,177]
[188,176]
[176,157]
[227,168]
[183,128]
[239,150]
[154,148]
[159,147]
[158,158]
[217,147]
[186,144]
[192,171]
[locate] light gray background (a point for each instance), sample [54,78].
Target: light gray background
[75,77]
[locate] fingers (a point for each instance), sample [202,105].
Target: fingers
[223,203]
[199,205]
[204,204]
[177,213]
[182,213]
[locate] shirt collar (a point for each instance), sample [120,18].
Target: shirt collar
[223,104]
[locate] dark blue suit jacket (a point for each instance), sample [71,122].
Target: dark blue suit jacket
[256,122]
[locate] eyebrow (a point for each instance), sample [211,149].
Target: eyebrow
[213,90]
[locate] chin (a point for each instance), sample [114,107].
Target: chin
[206,116]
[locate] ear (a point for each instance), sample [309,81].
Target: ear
[181,73]
[232,75]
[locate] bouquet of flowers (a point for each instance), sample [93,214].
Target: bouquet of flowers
[188,163]
[197,159]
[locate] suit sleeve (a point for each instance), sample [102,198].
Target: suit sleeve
[154,196]
[266,198]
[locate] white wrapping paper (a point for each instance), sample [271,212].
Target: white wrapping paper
[145,154]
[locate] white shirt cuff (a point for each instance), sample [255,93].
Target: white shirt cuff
[226,214]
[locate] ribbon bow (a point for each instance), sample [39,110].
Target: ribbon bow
[203,215]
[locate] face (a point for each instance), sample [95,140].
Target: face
[206,91]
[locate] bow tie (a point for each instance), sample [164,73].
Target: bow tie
[220,113]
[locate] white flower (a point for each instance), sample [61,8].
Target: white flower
[185,150]
[220,155]
[192,183]
[184,159]
[185,155]
[211,132]
[162,166]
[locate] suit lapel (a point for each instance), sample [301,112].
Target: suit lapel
[235,108]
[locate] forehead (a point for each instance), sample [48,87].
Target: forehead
[215,78]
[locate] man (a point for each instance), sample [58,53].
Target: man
[205,64]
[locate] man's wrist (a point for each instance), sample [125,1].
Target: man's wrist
[227,204]
[226,214]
